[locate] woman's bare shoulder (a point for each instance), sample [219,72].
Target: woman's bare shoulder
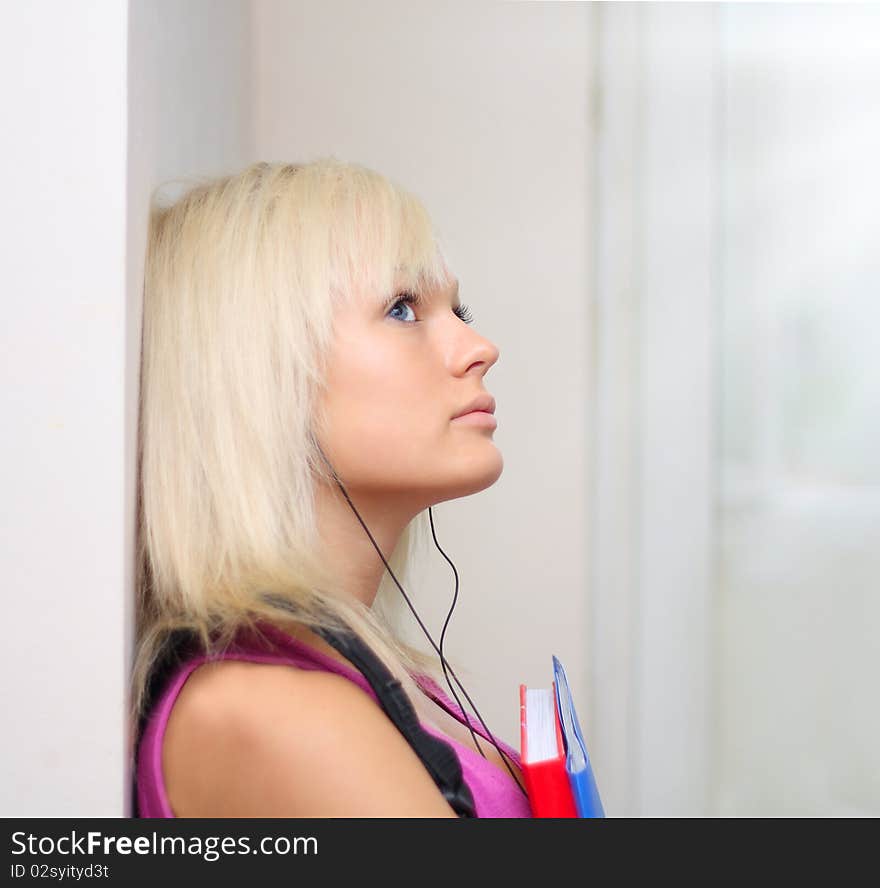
[259,740]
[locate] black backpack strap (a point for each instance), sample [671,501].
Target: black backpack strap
[437,756]
[178,645]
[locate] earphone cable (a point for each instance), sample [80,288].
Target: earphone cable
[443,631]
[504,757]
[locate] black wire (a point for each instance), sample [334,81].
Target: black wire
[504,757]
[443,632]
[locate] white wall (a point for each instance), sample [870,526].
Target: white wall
[654,424]
[483,110]
[797,723]
[736,556]
[63,408]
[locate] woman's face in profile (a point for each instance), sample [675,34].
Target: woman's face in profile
[397,375]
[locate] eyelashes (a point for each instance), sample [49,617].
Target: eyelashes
[462,311]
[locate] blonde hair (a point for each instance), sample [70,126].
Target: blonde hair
[243,276]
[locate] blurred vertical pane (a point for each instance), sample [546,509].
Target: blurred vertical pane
[797,716]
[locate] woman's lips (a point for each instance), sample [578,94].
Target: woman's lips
[477,418]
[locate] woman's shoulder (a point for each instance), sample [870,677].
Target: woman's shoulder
[247,739]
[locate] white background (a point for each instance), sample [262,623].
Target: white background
[663,214]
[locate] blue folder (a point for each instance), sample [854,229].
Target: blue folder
[577,762]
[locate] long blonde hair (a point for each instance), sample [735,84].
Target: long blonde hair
[243,276]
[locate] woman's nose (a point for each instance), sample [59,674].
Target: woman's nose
[477,350]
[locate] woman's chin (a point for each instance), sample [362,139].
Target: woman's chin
[478,472]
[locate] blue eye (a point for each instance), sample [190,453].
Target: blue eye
[408,299]
[462,312]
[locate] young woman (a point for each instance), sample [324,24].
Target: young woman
[310,387]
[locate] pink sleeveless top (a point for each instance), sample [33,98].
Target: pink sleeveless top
[495,792]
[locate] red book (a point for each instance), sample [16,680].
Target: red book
[543,754]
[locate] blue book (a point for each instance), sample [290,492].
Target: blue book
[577,762]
